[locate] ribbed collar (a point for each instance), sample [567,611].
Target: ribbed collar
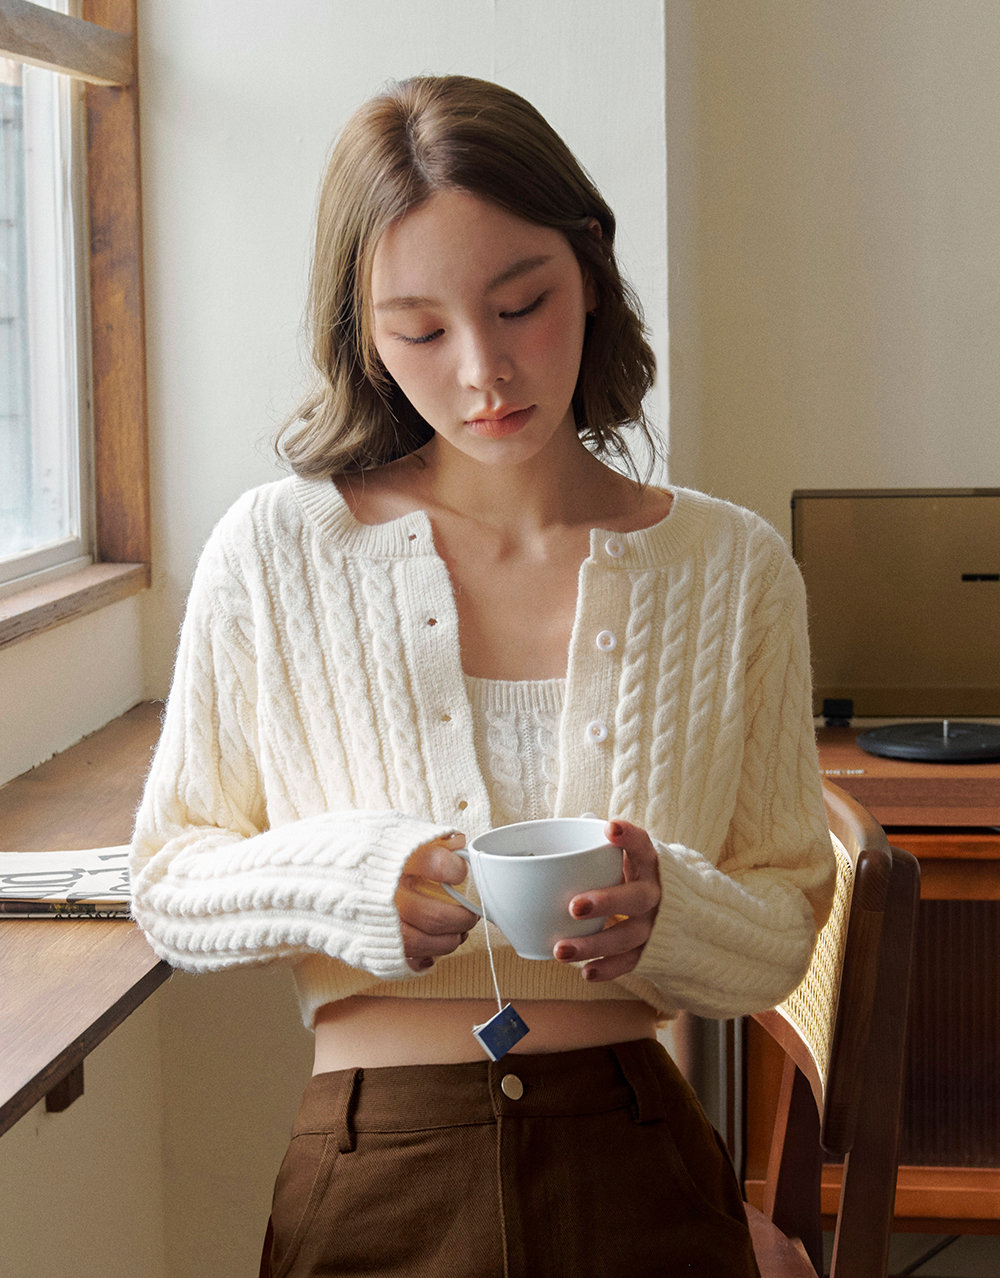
[651,547]
[323,504]
[516,696]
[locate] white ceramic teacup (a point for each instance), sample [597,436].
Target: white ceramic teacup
[527,874]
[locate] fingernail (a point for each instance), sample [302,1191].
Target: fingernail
[588,975]
[617,829]
[582,908]
[565,952]
[426,963]
[464,937]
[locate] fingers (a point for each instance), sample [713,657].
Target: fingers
[421,948]
[616,950]
[633,899]
[641,861]
[609,969]
[439,861]
[437,915]
[628,935]
[431,923]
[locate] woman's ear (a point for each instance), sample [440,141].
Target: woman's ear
[589,293]
[589,287]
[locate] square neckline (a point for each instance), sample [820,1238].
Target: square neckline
[421,516]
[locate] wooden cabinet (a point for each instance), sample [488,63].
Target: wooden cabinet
[948,816]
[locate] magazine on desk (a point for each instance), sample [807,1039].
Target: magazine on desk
[90,884]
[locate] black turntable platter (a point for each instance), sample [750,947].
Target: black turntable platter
[945,741]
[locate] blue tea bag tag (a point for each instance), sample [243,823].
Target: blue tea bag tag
[499,1034]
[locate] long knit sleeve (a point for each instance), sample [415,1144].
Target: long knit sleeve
[737,936]
[213,886]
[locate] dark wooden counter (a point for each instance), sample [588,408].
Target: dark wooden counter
[900,793]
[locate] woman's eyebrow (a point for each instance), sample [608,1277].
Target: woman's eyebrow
[413,302]
[515,271]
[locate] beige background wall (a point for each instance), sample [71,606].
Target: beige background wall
[834,245]
[81,1193]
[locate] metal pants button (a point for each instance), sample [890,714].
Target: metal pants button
[512,1087]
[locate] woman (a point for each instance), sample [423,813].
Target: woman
[455,616]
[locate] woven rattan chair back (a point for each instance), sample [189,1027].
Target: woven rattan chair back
[843,1033]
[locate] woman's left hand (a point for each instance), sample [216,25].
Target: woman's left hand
[617,948]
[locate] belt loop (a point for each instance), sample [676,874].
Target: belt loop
[636,1063]
[344,1109]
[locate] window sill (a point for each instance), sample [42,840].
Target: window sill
[54,603]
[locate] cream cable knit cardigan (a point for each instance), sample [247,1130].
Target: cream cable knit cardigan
[319,731]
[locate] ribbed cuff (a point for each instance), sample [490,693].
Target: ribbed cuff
[719,950]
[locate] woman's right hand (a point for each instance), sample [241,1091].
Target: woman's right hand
[432,923]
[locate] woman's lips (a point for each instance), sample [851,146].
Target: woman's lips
[497,427]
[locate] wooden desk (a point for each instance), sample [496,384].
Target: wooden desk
[949,1177]
[66,984]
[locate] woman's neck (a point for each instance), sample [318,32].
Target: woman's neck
[563,489]
[513,539]
[563,486]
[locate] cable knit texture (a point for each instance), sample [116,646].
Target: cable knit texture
[516,730]
[319,730]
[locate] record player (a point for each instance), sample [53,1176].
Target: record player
[903,589]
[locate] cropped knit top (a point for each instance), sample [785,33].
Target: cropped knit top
[319,730]
[515,727]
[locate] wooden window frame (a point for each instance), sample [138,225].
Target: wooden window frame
[100,48]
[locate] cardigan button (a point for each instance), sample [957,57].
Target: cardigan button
[614,548]
[607,641]
[595,732]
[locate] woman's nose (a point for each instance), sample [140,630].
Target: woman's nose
[485,361]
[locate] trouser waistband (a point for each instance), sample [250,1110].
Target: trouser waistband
[591,1080]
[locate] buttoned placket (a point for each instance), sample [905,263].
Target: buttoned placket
[595,671]
[599,681]
[463,794]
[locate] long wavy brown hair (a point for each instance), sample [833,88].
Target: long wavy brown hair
[435,133]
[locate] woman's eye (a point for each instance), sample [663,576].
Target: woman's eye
[525,310]
[421,341]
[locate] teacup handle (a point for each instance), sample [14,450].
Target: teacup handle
[463,853]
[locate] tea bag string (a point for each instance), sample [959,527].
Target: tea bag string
[489,951]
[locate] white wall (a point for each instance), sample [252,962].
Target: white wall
[240,100]
[240,103]
[835,246]
[58,686]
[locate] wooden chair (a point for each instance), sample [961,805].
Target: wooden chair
[843,1032]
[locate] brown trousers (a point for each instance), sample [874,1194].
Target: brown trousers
[592,1164]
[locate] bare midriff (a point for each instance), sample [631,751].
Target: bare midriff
[371,1032]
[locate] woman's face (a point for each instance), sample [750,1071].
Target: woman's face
[479,317]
